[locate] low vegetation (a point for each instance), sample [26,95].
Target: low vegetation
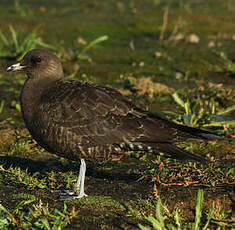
[170,63]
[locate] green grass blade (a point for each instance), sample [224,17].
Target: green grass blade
[2,208]
[187,107]
[177,219]
[221,123]
[46,223]
[14,36]
[2,103]
[23,203]
[18,34]
[209,217]
[156,224]
[3,38]
[200,197]
[5,54]
[142,227]
[159,214]
[230,65]
[227,110]
[178,100]
[29,41]
[94,42]
[45,45]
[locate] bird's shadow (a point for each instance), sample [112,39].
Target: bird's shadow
[46,166]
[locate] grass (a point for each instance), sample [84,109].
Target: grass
[14,45]
[38,216]
[81,55]
[23,177]
[75,55]
[131,58]
[2,103]
[174,173]
[197,115]
[164,219]
[229,65]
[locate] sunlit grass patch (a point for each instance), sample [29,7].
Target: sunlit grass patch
[99,202]
[41,179]
[14,45]
[20,148]
[17,175]
[164,219]
[34,214]
[203,108]
[197,114]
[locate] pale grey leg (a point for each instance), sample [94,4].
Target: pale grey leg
[67,194]
[81,179]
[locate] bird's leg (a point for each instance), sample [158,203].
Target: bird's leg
[67,194]
[81,179]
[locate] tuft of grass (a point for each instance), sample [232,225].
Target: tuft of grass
[17,175]
[20,9]
[228,64]
[20,148]
[38,216]
[200,198]
[81,55]
[76,55]
[15,45]
[195,114]
[158,222]
[100,201]
[173,221]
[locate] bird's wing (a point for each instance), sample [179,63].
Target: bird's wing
[100,115]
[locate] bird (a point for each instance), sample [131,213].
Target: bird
[83,121]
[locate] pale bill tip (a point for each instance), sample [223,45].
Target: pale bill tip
[15,67]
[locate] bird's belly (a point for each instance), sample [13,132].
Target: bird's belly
[65,143]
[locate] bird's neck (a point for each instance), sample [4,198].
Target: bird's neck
[31,94]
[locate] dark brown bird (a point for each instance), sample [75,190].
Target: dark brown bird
[80,120]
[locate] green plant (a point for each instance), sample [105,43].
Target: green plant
[14,45]
[200,198]
[20,9]
[2,103]
[23,177]
[77,55]
[229,64]
[196,114]
[81,55]
[179,22]
[16,105]
[163,221]
[19,148]
[38,216]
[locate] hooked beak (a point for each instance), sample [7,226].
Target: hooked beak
[15,67]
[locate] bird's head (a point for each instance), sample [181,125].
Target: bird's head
[39,63]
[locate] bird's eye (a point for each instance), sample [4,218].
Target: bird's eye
[35,59]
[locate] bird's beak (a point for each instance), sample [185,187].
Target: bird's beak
[15,67]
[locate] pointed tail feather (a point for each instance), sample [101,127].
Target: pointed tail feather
[175,152]
[198,134]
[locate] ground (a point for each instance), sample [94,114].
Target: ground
[175,58]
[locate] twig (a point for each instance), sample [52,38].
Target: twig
[164,25]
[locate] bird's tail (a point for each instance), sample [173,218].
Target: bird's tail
[194,134]
[172,151]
